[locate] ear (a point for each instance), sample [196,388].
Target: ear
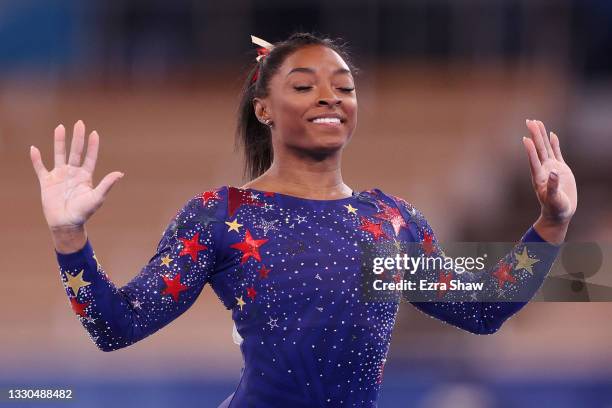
[260,109]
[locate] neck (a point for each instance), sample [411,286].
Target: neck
[304,177]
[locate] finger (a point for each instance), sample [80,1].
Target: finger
[39,167]
[93,142]
[59,145]
[107,183]
[554,141]
[546,139]
[76,147]
[534,161]
[537,139]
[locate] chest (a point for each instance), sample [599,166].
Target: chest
[300,259]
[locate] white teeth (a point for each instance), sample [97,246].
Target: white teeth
[326,120]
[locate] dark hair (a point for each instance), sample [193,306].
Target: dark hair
[251,134]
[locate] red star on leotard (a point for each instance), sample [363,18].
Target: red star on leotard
[427,243]
[268,194]
[445,278]
[397,277]
[173,286]
[374,228]
[263,272]
[209,195]
[79,308]
[249,247]
[192,247]
[393,216]
[251,293]
[503,274]
[236,197]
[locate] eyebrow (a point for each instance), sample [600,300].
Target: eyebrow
[312,71]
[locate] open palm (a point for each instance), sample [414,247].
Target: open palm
[552,179]
[67,193]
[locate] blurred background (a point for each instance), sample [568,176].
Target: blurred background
[444,90]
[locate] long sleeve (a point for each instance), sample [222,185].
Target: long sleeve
[506,287]
[164,289]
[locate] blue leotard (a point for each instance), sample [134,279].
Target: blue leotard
[292,272]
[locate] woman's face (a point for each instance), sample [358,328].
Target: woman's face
[313,82]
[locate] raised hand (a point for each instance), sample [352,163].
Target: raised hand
[552,179]
[67,193]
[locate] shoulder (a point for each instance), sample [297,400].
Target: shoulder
[406,208]
[211,195]
[210,200]
[392,199]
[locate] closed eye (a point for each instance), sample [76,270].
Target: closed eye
[304,88]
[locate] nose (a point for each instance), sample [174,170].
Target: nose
[329,101]
[328,98]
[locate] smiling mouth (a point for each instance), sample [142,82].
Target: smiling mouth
[330,122]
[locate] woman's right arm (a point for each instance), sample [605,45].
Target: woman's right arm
[166,286]
[163,290]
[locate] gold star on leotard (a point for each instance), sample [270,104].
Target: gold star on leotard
[233,226]
[351,209]
[76,282]
[166,260]
[240,303]
[523,261]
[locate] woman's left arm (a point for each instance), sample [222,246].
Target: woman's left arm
[523,269]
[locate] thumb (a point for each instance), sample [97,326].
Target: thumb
[107,183]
